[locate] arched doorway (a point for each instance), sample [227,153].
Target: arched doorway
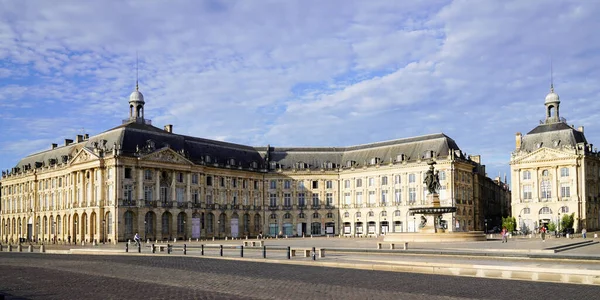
[246,222]
[129,220]
[75,228]
[196,227]
[235,225]
[221,223]
[149,226]
[30,229]
[166,225]
[84,227]
[181,222]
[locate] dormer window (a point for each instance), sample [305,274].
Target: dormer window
[400,157]
[232,161]
[207,159]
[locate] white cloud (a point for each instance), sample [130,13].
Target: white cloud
[298,72]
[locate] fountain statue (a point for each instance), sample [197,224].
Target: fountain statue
[430,228]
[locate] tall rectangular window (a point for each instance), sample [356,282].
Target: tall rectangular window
[527,192]
[526,175]
[384,197]
[371,197]
[315,199]
[397,179]
[301,200]
[287,184]
[209,197]
[411,178]
[128,192]
[371,181]
[564,172]
[148,193]
[287,199]
[384,180]
[565,190]
[148,174]
[347,198]
[195,196]
[179,194]
[329,184]
[194,178]
[209,180]
[358,182]
[272,199]
[546,189]
[359,198]
[398,196]
[315,184]
[273,184]
[329,199]
[412,195]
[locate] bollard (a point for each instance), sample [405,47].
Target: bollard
[264,251]
[202,249]
[30,248]
[289,254]
[42,248]
[19,248]
[184,249]
[314,253]
[153,248]
[221,247]
[126,247]
[169,248]
[0,247]
[242,251]
[139,247]
[9,248]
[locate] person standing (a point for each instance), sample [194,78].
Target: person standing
[583,233]
[504,234]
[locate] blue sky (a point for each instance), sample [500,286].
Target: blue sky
[298,73]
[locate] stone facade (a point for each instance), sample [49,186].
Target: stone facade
[554,172]
[162,185]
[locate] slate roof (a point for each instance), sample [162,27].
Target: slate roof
[132,137]
[553,135]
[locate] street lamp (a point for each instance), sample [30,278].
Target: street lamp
[485,222]
[75,232]
[558,226]
[184,235]
[145,230]
[54,232]
[520,225]
[414,224]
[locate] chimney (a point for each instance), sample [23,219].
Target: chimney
[68,141]
[86,137]
[476,158]
[79,138]
[169,128]
[54,145]
[580,129]
[518,140]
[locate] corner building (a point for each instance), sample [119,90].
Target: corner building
[554,171]
[163,185]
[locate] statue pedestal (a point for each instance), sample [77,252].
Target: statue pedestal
[434,200]
[431,226]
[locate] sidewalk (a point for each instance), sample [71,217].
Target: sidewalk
[520,258]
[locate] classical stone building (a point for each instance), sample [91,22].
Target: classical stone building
[140,178]
[554,172]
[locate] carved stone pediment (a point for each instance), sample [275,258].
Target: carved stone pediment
[166,155]
[83,156]
[544,154]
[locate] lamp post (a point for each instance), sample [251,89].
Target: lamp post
[145,230]
[184,231]
[520,225]
[219,229]
[75,232]
[558,225]
[54,232]
[414,224]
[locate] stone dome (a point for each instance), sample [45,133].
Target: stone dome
[136,96]
[552,97]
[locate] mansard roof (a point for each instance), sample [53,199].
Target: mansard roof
[139,138]
[552,135]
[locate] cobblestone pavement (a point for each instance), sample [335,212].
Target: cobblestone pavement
[53,276]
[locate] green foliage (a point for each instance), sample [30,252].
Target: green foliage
[509,223]
[567,221]
[551,227]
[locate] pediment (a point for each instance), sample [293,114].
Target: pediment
[84,155]
[545,154]
[167,155]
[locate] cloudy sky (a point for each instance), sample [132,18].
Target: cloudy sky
[298,73]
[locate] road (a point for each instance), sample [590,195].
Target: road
[54,276]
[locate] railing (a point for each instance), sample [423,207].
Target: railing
[181,204]
[167,204]
[128,203]
[197,205]
[287,207]
[150,203]
[273,207]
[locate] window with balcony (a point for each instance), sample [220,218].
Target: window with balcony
[272,199]
[371,197]
[301,200]
[398,196]
[148,193]
[359,198]
[315,199]
[329,199]
[527,194]
[347,199]
[128,192]
[412,195]
[565,190]
[287,199]
[546,189]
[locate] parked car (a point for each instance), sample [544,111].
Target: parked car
[566,231]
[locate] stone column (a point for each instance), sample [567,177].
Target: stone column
[140,185]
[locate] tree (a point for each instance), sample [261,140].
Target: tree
[567,221]
[509,223]
[551,227]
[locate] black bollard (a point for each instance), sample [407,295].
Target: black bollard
[242,251]
[153,249]
[184,249]
[202,249]
[264,251]
[126,247]
[168,248]
[289,252]
[139,247]
[221,250]
[314,253]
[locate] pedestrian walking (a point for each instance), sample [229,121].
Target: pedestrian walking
[504,234]
[583,233]
[543,233]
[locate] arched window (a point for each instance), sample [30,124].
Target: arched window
[301,216]
[329,215]
[273,217]
[371,214]
[384,213]
[526,210]
[545,211]
[358,214]
[346,215]
[564,209]
[545,173]
[397,213]
[315,215]
[287,216]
